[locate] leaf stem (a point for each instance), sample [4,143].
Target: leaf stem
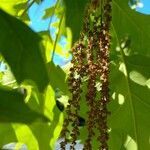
[30,4]
[128,90]
[54,47]
[50,21]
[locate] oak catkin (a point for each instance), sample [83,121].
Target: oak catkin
[90,59]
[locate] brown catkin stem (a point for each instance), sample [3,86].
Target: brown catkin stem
[104,45]
[91,93]
[77,72]
[76,97]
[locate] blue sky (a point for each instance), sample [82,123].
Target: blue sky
[36,12]
[146,7]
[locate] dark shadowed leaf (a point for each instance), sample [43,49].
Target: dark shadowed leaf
[74,16]
[60,105]
[14,109]
[20,47]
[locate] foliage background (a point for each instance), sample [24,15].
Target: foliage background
[31,84]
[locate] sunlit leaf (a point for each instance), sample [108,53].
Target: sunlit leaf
[16,8]
[57,78]
[50,131]
[48,46]
[9,5]
[25,136]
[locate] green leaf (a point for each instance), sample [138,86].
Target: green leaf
[57,78]
[60,27]
[16,8]
[56,10]
[129,105]
[1,76]
[8,79]
[23,51]
[6,129]
[24,135]
[14,109]
[49,12]
[50,132]
[22,11]
[74,16]
[48,46]
[38,1]
[32,136]
[9,6]
[131,24]
[129,79]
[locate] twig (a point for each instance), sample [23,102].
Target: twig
[54,48]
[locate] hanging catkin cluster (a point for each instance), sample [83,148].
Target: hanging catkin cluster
[77,71]
[90,59]
[103,62]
